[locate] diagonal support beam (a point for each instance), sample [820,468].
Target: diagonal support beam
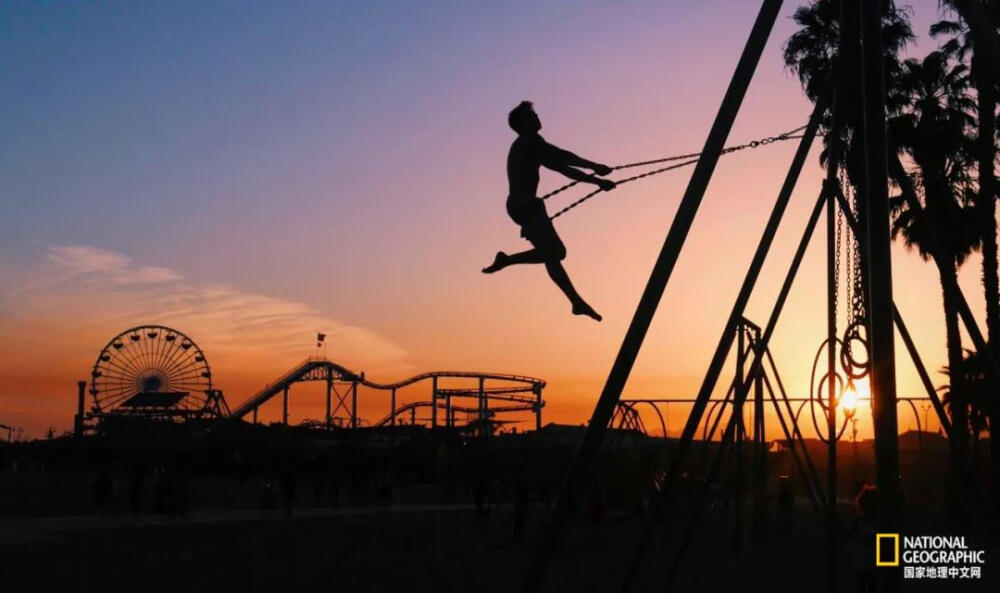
[925,378]
[703,496]
[657,283]
[807,472]
[757,365]
[812,478]
[786,287]
[736,315]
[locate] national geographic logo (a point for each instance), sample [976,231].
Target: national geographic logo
[929,556]
[886,549]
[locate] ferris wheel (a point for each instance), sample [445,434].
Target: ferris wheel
[152,370]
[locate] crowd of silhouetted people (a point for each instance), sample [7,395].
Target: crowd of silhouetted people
[122,487]
[278,474]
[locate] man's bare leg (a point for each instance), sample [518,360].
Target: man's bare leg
[558,274]
[502,260]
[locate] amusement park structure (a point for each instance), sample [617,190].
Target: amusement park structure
[152,371]
[513,393]
[159,373]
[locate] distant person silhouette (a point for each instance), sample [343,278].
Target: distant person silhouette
[527,154]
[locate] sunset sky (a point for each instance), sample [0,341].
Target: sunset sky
[252,172]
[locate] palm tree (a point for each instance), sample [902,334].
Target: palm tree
[932,130]
[811,53]
[979,396]
[960,44]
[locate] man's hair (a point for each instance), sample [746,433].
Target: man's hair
[518,115]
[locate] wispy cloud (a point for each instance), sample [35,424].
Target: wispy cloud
[91,291]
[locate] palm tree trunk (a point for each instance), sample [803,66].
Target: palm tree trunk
[958,406]
[986,153]
[986,202]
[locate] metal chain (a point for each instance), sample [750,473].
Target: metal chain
[838,239]
[626,180]
[855,336]
[845,186]
[789,135]
[858,301]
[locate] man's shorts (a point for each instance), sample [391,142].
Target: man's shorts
[535,224]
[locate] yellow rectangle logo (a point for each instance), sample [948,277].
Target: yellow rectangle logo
[878,549]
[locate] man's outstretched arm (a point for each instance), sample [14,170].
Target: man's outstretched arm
[553,157]
[563,161]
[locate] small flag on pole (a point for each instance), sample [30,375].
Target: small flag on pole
[320,338]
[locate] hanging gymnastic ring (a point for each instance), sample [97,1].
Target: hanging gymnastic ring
[855,333]
[815,392]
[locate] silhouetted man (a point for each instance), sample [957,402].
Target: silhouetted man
[529,152]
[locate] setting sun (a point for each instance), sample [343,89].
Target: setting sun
[856,391]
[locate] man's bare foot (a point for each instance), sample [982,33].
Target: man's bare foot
[500,262]
[583,308]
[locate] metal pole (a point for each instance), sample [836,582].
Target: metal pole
[284,407]
[482,407]
[847,58]
[434,402]
[538,408]
[81,387]
[883,364]
[538,415]
[760,451]
[831,362]
[354,403]
[392,418]
[481,400]
[329,388]
[392,408]
[738,399]
[447,407]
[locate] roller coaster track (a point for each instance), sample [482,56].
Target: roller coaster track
[320,369]
[442,405]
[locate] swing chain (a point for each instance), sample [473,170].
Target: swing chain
[689,159]
[626,180]
[836,262]
[858,302]
[855,333]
